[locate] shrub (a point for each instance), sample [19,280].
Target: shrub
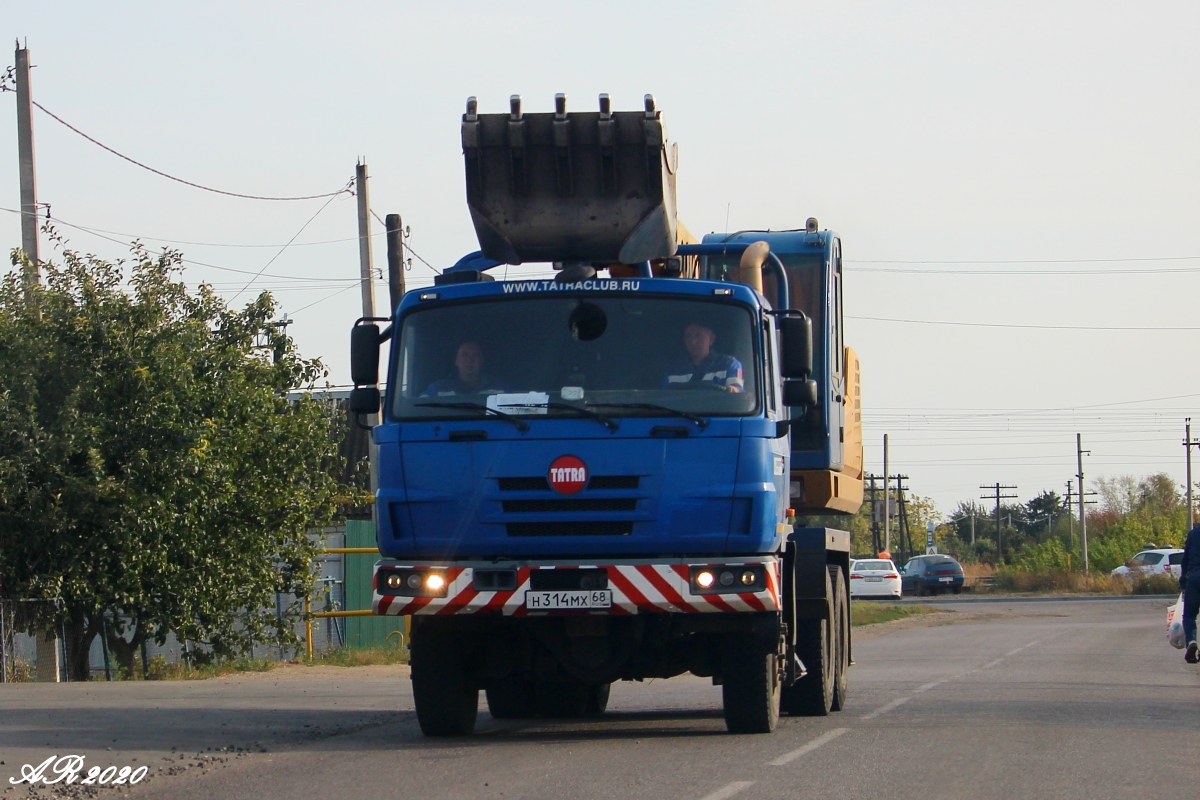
[1156,584]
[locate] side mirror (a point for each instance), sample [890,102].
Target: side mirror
[364,400]
[795,340]
[364,355]
[800,393]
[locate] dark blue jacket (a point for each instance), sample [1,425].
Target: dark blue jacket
[1189,567]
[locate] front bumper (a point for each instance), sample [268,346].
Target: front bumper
[637,586]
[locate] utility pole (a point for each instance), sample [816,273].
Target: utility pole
[368,292]
[1070,495]
[1079,451]
[972,524]
[364,239]
[904,531]
[1188,444]
[872,489]
[887,503]
[998,496]
[395,259]
[29,204]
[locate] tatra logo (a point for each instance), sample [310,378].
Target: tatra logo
[567,475]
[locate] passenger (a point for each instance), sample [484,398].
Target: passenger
[704,367]
[469,377]
[1189,584]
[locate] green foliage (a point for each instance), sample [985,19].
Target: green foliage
[1049,556]
[152,466]
[1041,539]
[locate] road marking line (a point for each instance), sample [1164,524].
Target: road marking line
[930,685]
[808,748]
[899,701]
[991,664]
[728,790]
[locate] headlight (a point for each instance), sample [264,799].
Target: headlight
[734,578]
[434,582]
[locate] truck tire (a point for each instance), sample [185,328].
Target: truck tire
[446,703]
[597,701]
[812,695]
[561,700]
[750,690]
[511,698]
[841,603]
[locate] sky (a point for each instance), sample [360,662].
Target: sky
[1015,184]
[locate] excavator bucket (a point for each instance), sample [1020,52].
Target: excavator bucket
[584,186]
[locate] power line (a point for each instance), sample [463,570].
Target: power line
[92,232]
[985,272]
[1024,260]
[1031,327]
[137,163]
[285,247]
[327,297]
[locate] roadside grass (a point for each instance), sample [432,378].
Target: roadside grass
[1022,582]
[161,670]
[869,612]
[360,657]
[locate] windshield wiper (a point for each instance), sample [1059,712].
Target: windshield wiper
[608,423]
[701,422]
[464,405]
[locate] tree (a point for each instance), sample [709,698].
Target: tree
[153,470]
[1041,512]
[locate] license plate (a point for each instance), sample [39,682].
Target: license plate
[568,600]
[946,580]
[874,580]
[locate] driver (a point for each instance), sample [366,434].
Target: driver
[469,377]
[703,366]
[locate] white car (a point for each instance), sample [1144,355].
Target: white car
[1152,562]
[874,577]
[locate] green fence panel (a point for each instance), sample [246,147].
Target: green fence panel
[366,631]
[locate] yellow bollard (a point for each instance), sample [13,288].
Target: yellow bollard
[308,628]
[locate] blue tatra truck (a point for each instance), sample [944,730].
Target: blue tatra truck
[595,476]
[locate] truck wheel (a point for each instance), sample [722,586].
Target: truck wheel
[511,699]
[812,695]
[560,700]
[597,700]
[446,703]
[841,628]
[751,688]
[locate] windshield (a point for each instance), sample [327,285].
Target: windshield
[555,355]
[866,566]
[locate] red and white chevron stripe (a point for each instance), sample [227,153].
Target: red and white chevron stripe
[661,588]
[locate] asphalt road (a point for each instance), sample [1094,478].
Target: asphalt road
[1039,700]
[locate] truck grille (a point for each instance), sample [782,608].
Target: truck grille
[538,483]
[569,528]
[551,506]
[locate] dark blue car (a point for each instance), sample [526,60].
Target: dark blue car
[931,575]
